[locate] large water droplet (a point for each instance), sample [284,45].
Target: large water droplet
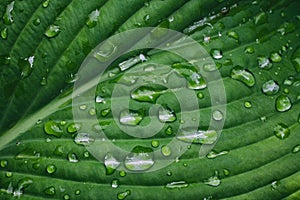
[93,18]
[216,54]
[146,94]
[123,195]
[177,185]
[53,128]
[283,103]
[52,31]
[84,139]
[281,131]
[264,62]
[270,87]
[166,114]
[243,75]
[140,159]
[7,17]
[130,117]
[4,33]
[200,136]
[26,66]
[214,180]
[111,163]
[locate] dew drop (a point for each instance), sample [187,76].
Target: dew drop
[7,17]
[92,111]
[275,185]
[198,137]
[51,169]
[264,62]
[46,3]
[275,57]
[169,130]
[3,163]
[43,81]
[52,31]
[209,67]
[83,107]
[146,18]
[105,112]
[26,66]
[200,95]
[122,173]
[217,115]
[123,195]
[130,117]
[296,149]
[213,154]
[166,150]
[4,33]
[140,159]
[260,18]
[233,34]
[165,114]
[177,185]
[77,192]
[281,131]
[72,157]
[155,143]
[283,103]
[216,54]
[53,128]
[93,18]
[66,196]
[270,87]
[111,163]
[249,50]
[73,127]
[8,174]
[213,180]
[226,172]
[146,94]
[243,75]
[100,99]
[115,183]
[37,21]
[84,139]
[131,62]
[196,81]
[59,150]
[248,104]
[50,191]
[286,28]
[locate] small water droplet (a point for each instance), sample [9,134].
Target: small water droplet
[169,130]
[111,163]
[200,95]
[226,172]
[260,18]
[7,17]
[107,50]
[26,66]
[93,18]
[166,114]
[140,159]
[270,87]
[275,57]
[37,21]
[213,180]
[249,50]
[72,78]
[281,131]
[50,191]
[166,150]
[83,107]
[283,103]
[217,115]
[248,104]
[46,3]
[275,185]
[8,174]
[92,111]
[213,154]
[296,149]
[146,18]
[196,81]
[122,173]
[73,127]
[146,94]
[53,128]
[286,28]
[155,143]
[66,196]
[233,34]
[264,62]
[84,139]
[77,192]
[59,150]
[198,137]
[216,54]
[177,185]
[131,62]
[43,81]
[72,157]
[130,117]
[100,99]
[51,169]
[296,60]
[115,183]
[169,173]
[4,33]
[105,112]
[52,31]
[123,195]
[3,163]
[243,75]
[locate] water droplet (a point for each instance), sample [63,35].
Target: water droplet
[50,191]
[283,103]
[84,139]
[248,104]
[270,87]
[296,60]
[281,131]
[275,185]
[214,180]
[37,21]
[105,112]
[72,157]
[243,75]
[106,51]
[7,17]
[66,196]
[59,150]
[130,117]
[286,28]
[51,169]
[213,154]
[92,111]
[3,163]
[216,54]
[264,62]
[275,57]
[4,33]
[111,163]
[8,174]
[200,95]
[72,78]
[73,127]
[146,94]
[209,67]
[100,99]
[198,137]
[123,195]
[26,66]
[169,130]
[28,153]
[53,128]
[165,114]
[296,149]
[46,3]
[177,185]
[196,81]
[249,50]
[263,118]
[122,173]
[155,143]
[83,107]
[260,18]
[166,150]
[115,183]
[233,34]
[5,60]
[226,172]
[217,115]
[93,18]
[52,31]
[22,184]
[77,192]
[140,159]
[131,62]
[43,81]
[146,18]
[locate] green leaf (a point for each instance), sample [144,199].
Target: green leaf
[46,152]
